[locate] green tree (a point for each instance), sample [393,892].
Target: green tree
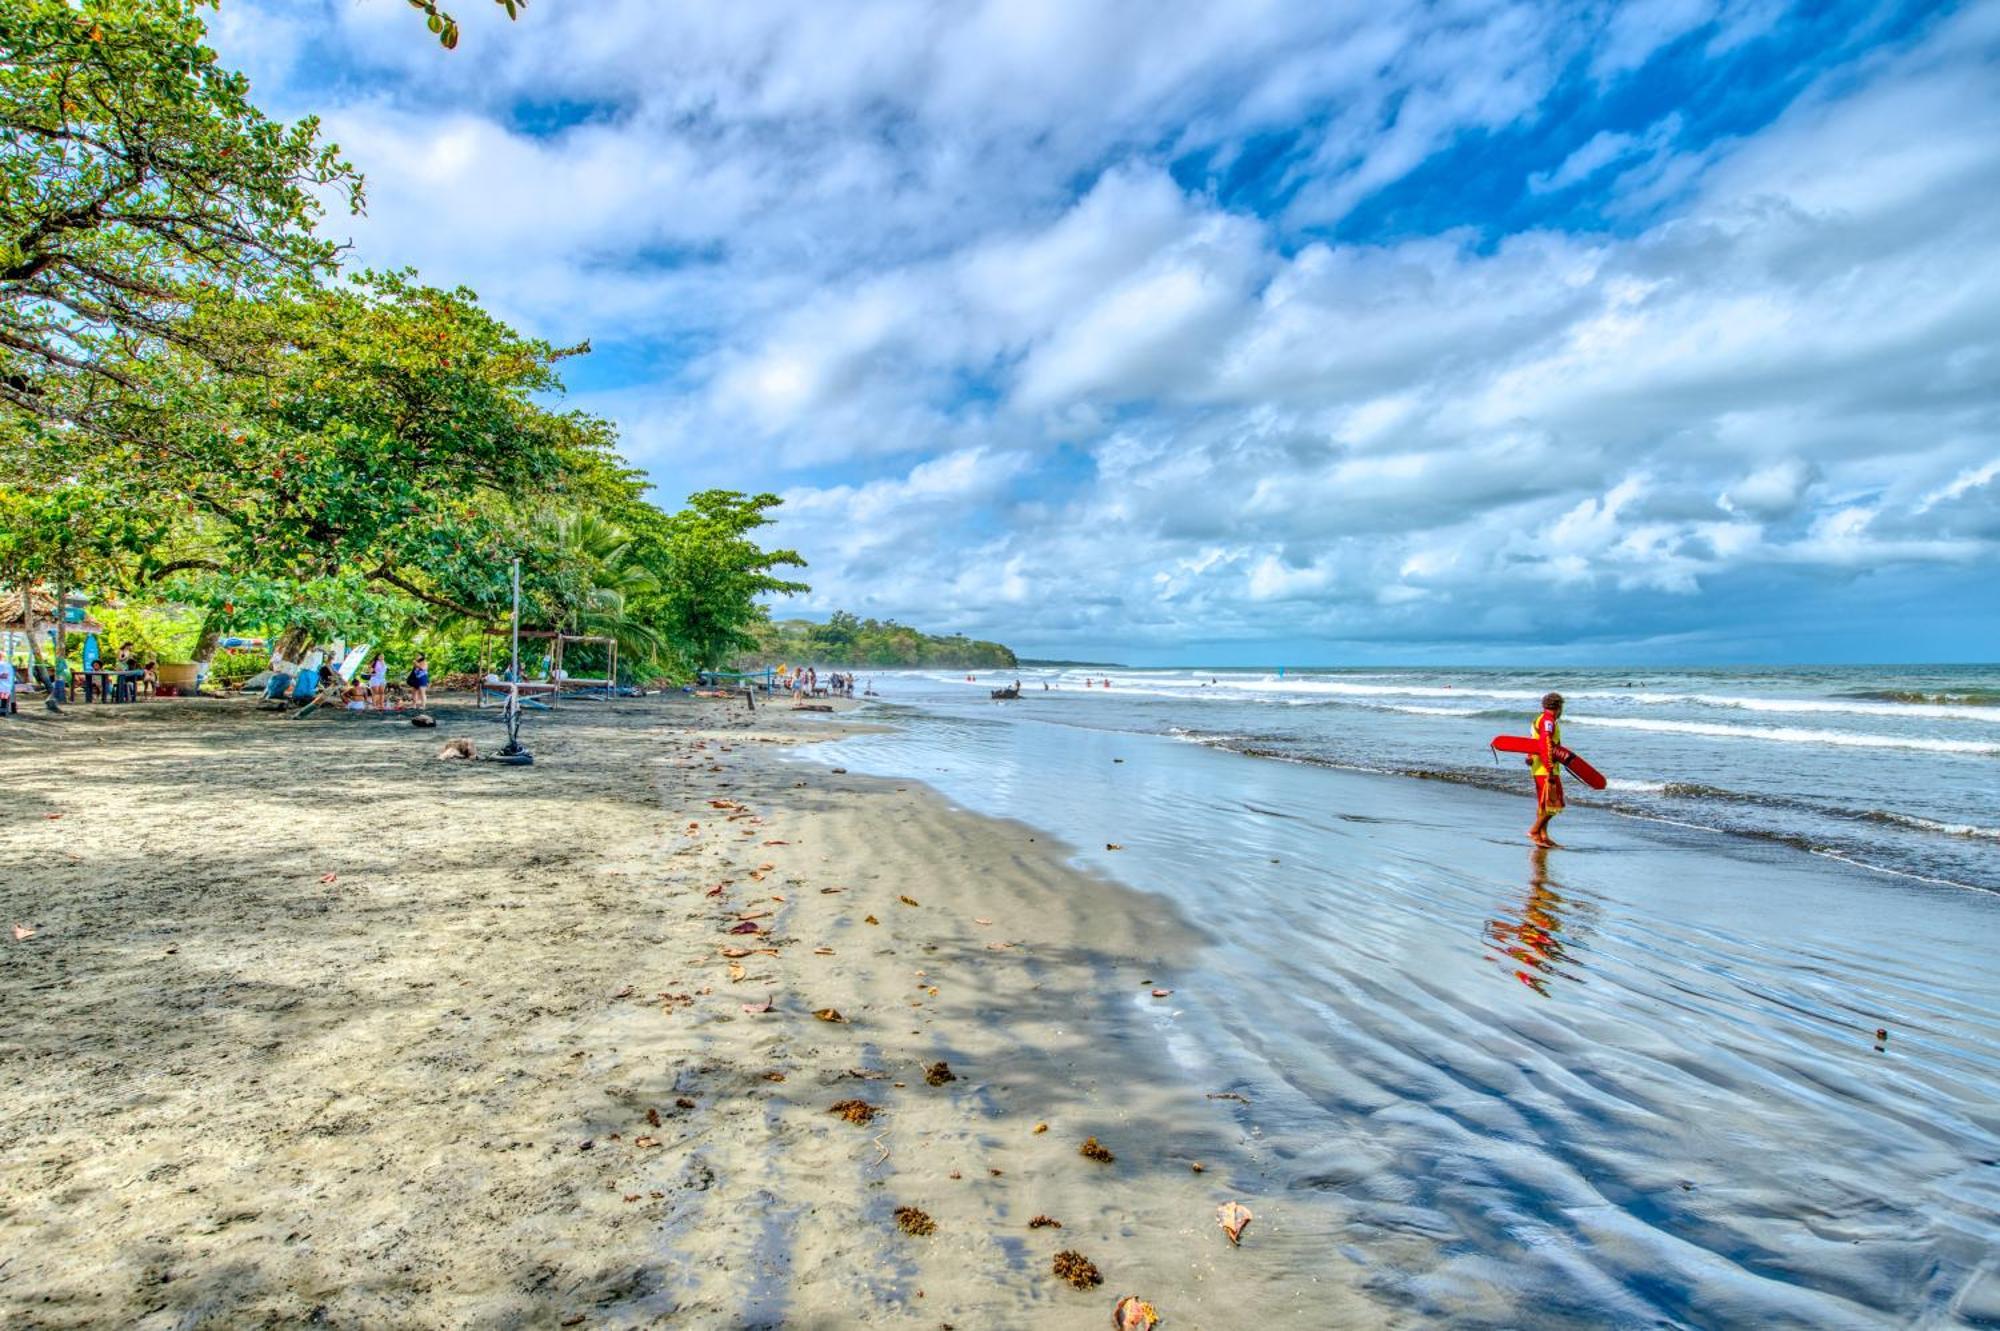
[390,431]
[710,573]
[136,182]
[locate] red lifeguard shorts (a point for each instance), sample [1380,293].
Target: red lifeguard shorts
[1549,793]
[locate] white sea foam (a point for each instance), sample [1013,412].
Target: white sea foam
[1970,830]
[1793,735]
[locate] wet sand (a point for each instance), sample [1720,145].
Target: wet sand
[317,1030]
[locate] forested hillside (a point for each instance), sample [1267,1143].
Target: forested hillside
[846,640]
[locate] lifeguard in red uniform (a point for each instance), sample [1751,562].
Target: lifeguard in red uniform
[1548,771]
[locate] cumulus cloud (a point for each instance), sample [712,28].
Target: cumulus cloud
[966,283]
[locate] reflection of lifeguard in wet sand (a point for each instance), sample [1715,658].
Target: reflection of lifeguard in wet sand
[1533,944]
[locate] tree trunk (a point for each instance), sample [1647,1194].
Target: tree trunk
[62,641]
[204,643]
[28,623]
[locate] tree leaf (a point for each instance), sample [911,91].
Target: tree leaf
[1134,1314]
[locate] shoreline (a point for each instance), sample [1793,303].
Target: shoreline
[416,1092]
[1567,1088]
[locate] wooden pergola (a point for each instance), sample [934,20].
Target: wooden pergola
[558,680]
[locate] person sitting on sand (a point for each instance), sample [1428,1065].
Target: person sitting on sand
[305,686]
[280,681]
[1548,778]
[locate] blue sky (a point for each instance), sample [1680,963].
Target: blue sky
[1660,331]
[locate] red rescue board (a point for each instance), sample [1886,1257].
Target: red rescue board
[1582,770]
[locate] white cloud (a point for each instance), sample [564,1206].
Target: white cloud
[1086,403]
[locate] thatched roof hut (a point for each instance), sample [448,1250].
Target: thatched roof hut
[45,613]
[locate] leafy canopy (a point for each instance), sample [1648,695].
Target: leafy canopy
[136,180]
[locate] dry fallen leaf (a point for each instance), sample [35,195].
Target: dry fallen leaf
[1045,1222]
[626,992]
[1233,1216]
[328,877]
[854,1111]
[1113,845]
[652,1118]
[912,1221]
[644,1143]
[938,1073]
[978,920]
[829,891]
[1041,1128]
[1092,1150]
[777,843]
[22,933]
[1077,1269]
[736,951]
[745,927]
[1134,1314]
[736,972]
[870,919]
[774,1076]
[715,891]
[1163,993]
[757,1008]
[829,1014]
[51,816]
[907,901]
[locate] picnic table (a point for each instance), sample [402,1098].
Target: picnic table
[110,685]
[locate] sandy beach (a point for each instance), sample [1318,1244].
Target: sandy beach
[314,1029]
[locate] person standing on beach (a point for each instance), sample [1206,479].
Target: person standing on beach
[378,684]
[1548,771]
[420,681]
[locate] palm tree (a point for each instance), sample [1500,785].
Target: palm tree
[609,579]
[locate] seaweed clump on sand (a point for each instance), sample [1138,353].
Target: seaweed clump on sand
[1079,1270]
[1045,1222]
[938,1073]
[1092,1150]
[913,1221]
[854,1111]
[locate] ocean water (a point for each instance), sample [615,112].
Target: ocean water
[1633,1082]
[1897,770]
